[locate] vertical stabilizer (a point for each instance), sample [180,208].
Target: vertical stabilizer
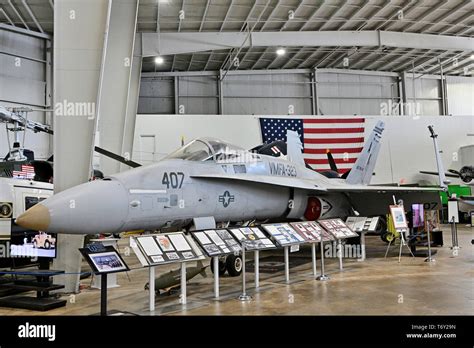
[362,171]
[294,148]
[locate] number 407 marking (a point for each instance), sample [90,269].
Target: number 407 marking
[173,180]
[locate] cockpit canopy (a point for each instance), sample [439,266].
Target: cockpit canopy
[206,149]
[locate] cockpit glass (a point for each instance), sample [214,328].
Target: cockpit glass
[207,150]
[196,150]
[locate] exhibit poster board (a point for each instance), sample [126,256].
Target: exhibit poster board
[155,249]
[453,211]
[310,231]
[362,223]
[253,238]
[216,242]
[103,259]
[283,234]
[398,216]
[337,228]
[432,220]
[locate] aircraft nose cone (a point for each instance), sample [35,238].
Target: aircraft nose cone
[35,218]
[91,208]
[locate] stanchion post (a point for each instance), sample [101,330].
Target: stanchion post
[313,257]
[244,296]
[429,258]
[323,276]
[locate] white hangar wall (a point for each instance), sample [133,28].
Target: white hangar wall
[406,146]
[25,81]
[324,92]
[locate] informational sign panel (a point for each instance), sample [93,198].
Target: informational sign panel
[216,242]
[103,259]
[253,238]
[283,234]
[309,230]
[337,228]
[362,223]
[155,249]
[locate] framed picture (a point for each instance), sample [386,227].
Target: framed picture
[104,259]
[398,216]
[432,220]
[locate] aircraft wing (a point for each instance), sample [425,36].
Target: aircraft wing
[377,188]
[285,181]
[436,173]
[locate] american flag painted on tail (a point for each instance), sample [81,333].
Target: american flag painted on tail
[26,172]
[343,136]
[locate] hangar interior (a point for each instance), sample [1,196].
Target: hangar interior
[141,78]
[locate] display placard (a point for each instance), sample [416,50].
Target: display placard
[103,259]
[216,242]
[155,249]
[283,234]
[309,230]
[398,216]
[362,223]
[337,228]
[253,238]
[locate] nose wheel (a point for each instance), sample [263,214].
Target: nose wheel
[232,264]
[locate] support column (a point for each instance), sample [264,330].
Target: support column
[79,30]
[116,77]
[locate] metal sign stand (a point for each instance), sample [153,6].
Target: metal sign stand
[454,235]
[257,268]
[183,298]
[313,257]
[339,252]
[215,259]
[151,286]
[287,264]
[244,297]
[323,276]
[429,258]
[103,295]
[362,246]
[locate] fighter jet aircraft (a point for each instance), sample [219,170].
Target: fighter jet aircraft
[209,178]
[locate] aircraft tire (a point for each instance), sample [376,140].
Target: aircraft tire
[47,245]
[234,265]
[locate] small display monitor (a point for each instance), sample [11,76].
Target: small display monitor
[418,219]
[33,244]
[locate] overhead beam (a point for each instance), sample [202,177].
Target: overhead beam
[32,15]
[189,42]
[18,14]
[25,31]
[6,16]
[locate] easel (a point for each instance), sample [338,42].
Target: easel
[403,242]
[397,210]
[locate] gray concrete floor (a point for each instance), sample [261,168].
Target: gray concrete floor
[376,286]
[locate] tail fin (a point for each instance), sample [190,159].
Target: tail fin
[294,148]
[362,171]
[199,264]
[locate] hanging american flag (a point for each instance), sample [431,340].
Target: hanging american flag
[343,136]
[26,172]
